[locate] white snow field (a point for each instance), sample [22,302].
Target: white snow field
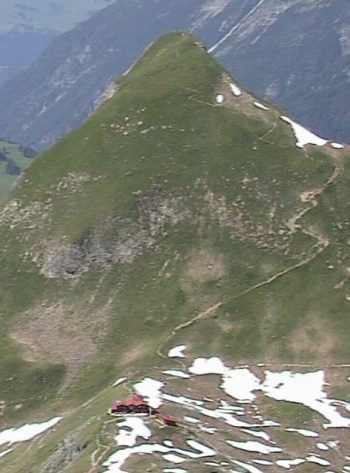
[25,433]
[135,427]
[302,135]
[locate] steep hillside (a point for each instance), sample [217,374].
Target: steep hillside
[181,213]
[289,52]
[13,159]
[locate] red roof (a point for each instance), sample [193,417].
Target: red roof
[133,400]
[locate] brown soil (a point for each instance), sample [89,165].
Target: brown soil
[53,334]
[204,265]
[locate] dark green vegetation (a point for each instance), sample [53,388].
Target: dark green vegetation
[163,209]
[13,159]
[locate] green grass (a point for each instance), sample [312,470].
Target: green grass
[16,156]
[200,214]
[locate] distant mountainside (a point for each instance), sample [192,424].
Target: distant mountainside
[27,27]
[19,49]
[293,52]
[44,15]
[189,243]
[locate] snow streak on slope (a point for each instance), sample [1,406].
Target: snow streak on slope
[224,425]
[235,27]
[210,10]
[304,136]
[25,433]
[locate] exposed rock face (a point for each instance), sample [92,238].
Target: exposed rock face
[120,240]
[67,452]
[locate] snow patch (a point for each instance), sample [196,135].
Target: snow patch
[173,455]
[208,366]
[235,90]
[263,462]
[246,466]
[6,452]
[171,458]
[220,98]
[26,432]
[150,389]
[192,420]
[337,145]
[177,352]
[287,464]
[302,135]
[318,460]
[177,374]
[252,446]
[238,383]
[137,428]
[214,414]
[257,433]
[208,430]
[260,105]
[302,388]
[322,446]
[304,432]
[119,381]
[306,389]
[116,460]
[203,449]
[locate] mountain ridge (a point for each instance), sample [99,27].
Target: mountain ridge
[66,83]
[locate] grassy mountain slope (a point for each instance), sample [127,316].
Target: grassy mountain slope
[164,218]
[13,159]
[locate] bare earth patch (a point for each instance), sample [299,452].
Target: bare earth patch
[47,333]
[204,265]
